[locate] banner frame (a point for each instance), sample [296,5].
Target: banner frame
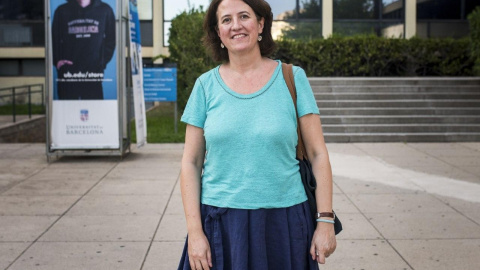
[121,24]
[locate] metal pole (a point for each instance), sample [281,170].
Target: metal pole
[43,101]
[13,105]
[175,116]
[29,102]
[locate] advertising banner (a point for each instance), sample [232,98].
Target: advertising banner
[84,70]
[160,84]
[137,75]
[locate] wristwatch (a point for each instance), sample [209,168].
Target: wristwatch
[326,214]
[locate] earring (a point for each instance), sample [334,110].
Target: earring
[221,45]
[259,38]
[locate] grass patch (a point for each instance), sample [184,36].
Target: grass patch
[21,109]
[160,126]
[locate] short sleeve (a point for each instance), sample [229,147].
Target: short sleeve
[306,103]
[195,112]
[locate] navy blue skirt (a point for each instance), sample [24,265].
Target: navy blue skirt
[240,239]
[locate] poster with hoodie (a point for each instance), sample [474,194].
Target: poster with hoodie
[84,70]
[137,74]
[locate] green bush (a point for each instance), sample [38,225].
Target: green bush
[474,20]
[370,55]
[186,49]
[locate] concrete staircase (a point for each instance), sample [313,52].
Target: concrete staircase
[399,109]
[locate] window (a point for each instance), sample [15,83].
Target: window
[21,10]
[22,67]
[379,17]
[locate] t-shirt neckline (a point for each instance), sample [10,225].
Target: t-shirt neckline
[252,95]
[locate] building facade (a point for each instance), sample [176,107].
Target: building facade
[22,23]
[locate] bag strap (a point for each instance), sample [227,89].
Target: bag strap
[289,79]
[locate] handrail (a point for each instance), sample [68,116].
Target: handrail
[29,92]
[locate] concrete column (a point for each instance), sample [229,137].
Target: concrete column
[410,18]
[157,21]
[327,18]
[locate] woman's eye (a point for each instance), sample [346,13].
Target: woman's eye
[226,20]
[244,16]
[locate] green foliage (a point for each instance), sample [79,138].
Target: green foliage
[21,109]
[187,50]
[369,55]
[161,126]
[474,20]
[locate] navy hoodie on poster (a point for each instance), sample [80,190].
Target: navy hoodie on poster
[84,37]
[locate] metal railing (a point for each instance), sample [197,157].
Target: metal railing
[15,94]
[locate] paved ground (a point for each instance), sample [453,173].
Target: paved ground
[403,206]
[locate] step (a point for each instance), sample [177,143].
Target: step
[401,128]
[400,119]
[396,89]
[394,81]
[395,96]
[399,111]
[398,103]
[401,137]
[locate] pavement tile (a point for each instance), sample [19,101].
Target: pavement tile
[437,254]
[448,171]
[82,164]
[164,256]
[35,205]
[102,229]
[364,254]
[4,184]
[356,227]
[137,187]
[345,148]
[472,145]
[474,216]
[459,151]
[357,186]
[461,161]
[82,255]
[416,161]
[462,206]
[88,174]
[341,204]
[51,187]
[424,225]
[24,228]
[175,205]
[122,205]
[472,169]
[172,228]
[399,203]
[10,251]
[139,174]
[387,150]
[437,145]
[177,190]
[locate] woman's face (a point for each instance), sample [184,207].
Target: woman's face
[238,27]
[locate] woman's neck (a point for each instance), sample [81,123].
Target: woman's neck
[244,63]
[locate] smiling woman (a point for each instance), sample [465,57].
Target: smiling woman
[244,201]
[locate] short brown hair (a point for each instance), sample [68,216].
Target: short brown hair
[212,41]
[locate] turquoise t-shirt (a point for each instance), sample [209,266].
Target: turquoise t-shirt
[250,140]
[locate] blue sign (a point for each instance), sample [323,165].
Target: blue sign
[160,84]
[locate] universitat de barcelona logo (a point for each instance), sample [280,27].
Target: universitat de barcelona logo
[84,115]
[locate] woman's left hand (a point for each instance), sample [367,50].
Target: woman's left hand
[324,242]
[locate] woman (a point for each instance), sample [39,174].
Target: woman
[243,198]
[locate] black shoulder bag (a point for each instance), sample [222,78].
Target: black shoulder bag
[306,172]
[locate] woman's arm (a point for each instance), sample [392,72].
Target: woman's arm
[324,241]
[190,184]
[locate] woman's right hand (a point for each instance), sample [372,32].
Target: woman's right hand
[200,256]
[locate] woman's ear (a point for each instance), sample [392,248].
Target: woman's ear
[261,23]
